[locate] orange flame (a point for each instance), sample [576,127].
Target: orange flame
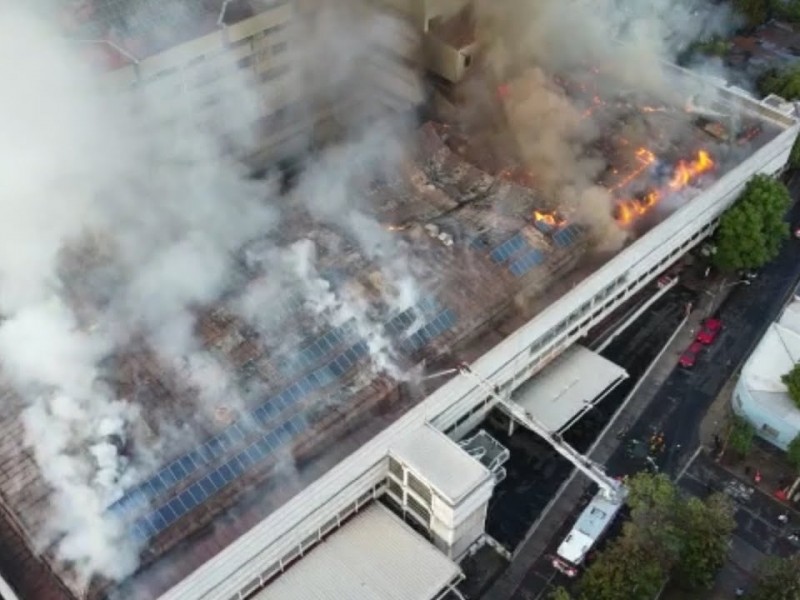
[629,210]
[685,172]
[549,219]
[645,158]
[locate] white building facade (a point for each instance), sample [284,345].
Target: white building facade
[760,396]
[459,405]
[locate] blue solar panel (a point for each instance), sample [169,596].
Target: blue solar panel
[529,260]
[479,244]
[398,324]
[567,236]
[443,321]
[508,248]
[218,446]
[250,458]
[312,353]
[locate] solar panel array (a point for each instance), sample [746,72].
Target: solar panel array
[179,472]
[212,450]
[445,320]
[249,459]
[321,347]
[508,248]
[523,265]
[544,226]
[399,324]
[567,236]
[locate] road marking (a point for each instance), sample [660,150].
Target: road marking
[689,463]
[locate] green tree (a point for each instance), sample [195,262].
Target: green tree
[785,83]
[654,502]
[560,593]
[792,382]
[706,527]
[794,155]
[751,232]
[741,436]
[787,10]
[778,579]
[624,571]
[667,535]
[793,452]
[755,12]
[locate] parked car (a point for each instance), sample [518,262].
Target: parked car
[709,330]
[689,356]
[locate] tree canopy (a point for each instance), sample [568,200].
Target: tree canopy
[741,436]
[785,83]
[667,535]
[793,452]
[624,571]
[751,232]
[792,382]
[778,579]
[755,12]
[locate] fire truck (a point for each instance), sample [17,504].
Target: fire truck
[601,511]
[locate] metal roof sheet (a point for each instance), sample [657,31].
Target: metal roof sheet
[568,386]
[373,557]
[440,462]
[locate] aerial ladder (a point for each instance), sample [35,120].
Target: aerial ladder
[598,515]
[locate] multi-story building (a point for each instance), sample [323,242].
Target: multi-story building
[512,294]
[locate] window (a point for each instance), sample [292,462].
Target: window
[769,431]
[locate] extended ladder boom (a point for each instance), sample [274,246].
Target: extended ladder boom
[611,488]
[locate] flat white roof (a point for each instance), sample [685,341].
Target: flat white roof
[568,387]
[375,556]
[439,461]
[776,353]
[774,356]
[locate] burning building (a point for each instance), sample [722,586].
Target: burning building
[306,411]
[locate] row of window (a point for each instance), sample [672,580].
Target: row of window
[609,296]
[330,526]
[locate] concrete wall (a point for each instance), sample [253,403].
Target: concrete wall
[768,426]
[258,52]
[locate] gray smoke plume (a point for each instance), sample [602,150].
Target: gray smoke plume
[526,42]
[124,214]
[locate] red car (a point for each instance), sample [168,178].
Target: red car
[709,331]
[689,356]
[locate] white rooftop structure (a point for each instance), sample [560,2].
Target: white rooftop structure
[569,386]
[441,462]
[761,397]
[375,556]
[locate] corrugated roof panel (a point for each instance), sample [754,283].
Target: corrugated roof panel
[373,557]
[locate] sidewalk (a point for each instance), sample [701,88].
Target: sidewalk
[775,470]
[563,505]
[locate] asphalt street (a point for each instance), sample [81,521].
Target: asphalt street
[686,395]
[680,404]
[535,470]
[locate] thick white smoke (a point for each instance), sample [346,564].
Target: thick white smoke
[121,216]
[163,210]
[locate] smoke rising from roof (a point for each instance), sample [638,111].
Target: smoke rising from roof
[627,40]
[159,212]
[115,231]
